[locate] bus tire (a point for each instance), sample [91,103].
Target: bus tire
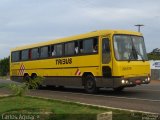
[33,76]
[118,89]
[26,78]
[90,84]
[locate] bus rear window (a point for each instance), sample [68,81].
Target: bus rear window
[15,56]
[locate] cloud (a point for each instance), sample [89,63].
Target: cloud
[30,21]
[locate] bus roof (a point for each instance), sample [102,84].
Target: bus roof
[76,37]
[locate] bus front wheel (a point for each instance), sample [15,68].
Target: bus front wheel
[90,84]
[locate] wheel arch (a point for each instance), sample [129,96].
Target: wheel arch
[84,75]
[25,74]
[33,75]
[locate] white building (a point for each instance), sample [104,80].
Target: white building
[155,69]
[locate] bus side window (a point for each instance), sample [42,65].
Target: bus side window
[25,54]
[88,45]
[15,56]
[58,50]
[69,48]
[35,53]
[44,52]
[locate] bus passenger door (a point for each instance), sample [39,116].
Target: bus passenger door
[106,62]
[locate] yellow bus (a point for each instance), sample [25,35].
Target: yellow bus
[105,58]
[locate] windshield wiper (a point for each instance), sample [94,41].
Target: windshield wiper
[135,54]
[129,56]
[138,53]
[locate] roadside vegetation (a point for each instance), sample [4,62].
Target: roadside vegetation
[4,66]
[23,88]
[154,55]
[47,109]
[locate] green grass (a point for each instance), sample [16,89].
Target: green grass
[4,85]
[58,110]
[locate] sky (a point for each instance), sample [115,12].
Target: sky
[30,21]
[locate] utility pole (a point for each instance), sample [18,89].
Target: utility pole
[139,27]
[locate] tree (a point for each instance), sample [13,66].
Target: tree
[153,56]
[4,66]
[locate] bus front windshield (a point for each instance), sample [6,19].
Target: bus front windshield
[129,47]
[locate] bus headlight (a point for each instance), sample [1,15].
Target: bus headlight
[126,81]
[149,77]
[146,79]
[123,81]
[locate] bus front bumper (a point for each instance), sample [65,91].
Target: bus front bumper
[131,82]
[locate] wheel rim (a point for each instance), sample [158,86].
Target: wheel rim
[26,78]
[90,84]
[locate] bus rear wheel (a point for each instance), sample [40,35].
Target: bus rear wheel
[26,78]
[34,76]
[90,84]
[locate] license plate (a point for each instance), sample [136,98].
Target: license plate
[138,81]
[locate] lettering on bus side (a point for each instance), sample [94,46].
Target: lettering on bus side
[126,68]
[63,61]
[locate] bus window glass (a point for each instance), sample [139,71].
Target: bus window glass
[15,56]
[35,53]
[69,48]
[58,50]
[106,57]
[140,47]
[44,52]
[129,48]
[122,47]
[25,54]
[88,46]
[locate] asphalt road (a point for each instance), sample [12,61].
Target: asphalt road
[142,98]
